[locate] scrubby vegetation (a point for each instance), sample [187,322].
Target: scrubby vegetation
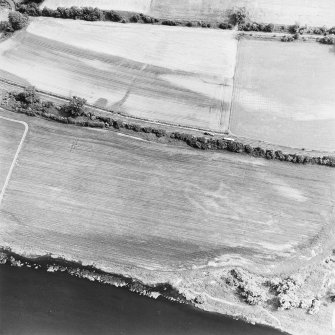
[285,290]
[254,26]
[16,21]
[287,38]
[238,16]
[75,107]
[74,112]
[327,40]
[96,14]
[247,287]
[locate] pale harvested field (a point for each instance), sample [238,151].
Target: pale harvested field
[109,199]
[312,12]
[284,94]
[172,74]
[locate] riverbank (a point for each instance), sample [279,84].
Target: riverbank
[54,293]
[195,293]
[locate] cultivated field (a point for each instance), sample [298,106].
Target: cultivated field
[284,94]
[309,12]
[173,74]
[113,200]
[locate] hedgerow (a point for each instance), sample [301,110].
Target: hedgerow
[327,40]
[28,102]
[96,14]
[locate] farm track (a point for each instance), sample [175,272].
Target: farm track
[72,191]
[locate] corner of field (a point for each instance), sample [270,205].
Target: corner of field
[9,174]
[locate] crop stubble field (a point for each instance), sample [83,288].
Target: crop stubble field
[172,74]
[111,200]
[309,12]
[283,94]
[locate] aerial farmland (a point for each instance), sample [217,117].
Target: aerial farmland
[184,145]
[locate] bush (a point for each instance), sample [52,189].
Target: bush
[225,26]
[135,18]
[113,16]
[30,9]
[148,19]
[17,20]
[327,40]
[169,23]
[287,39]
[238,16]
[28,96]
[258,152]
[294,29]
[269,28]
[75,107]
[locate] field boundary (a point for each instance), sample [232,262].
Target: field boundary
[26,128]
[204,141]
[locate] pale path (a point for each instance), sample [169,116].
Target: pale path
[223,301]
[16,154]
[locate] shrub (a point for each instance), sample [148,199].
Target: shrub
[269,28]
[30,9]
[169,23]
[135,18]
[113,16]
[75,107]
[331,31]
[238,16]
[159,132]
[294,29]
[148,19]
[17,20]
[189,24]
[287,39]
[28,96]
[327,40]
[269,154]
[235,146]
[224,25]
[258,152]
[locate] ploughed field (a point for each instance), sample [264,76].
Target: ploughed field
[311,12]
[113,200]
[172,74]
[283,94]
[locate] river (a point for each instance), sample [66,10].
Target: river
[40,303]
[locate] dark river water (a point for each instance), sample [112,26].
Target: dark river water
[37,302]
